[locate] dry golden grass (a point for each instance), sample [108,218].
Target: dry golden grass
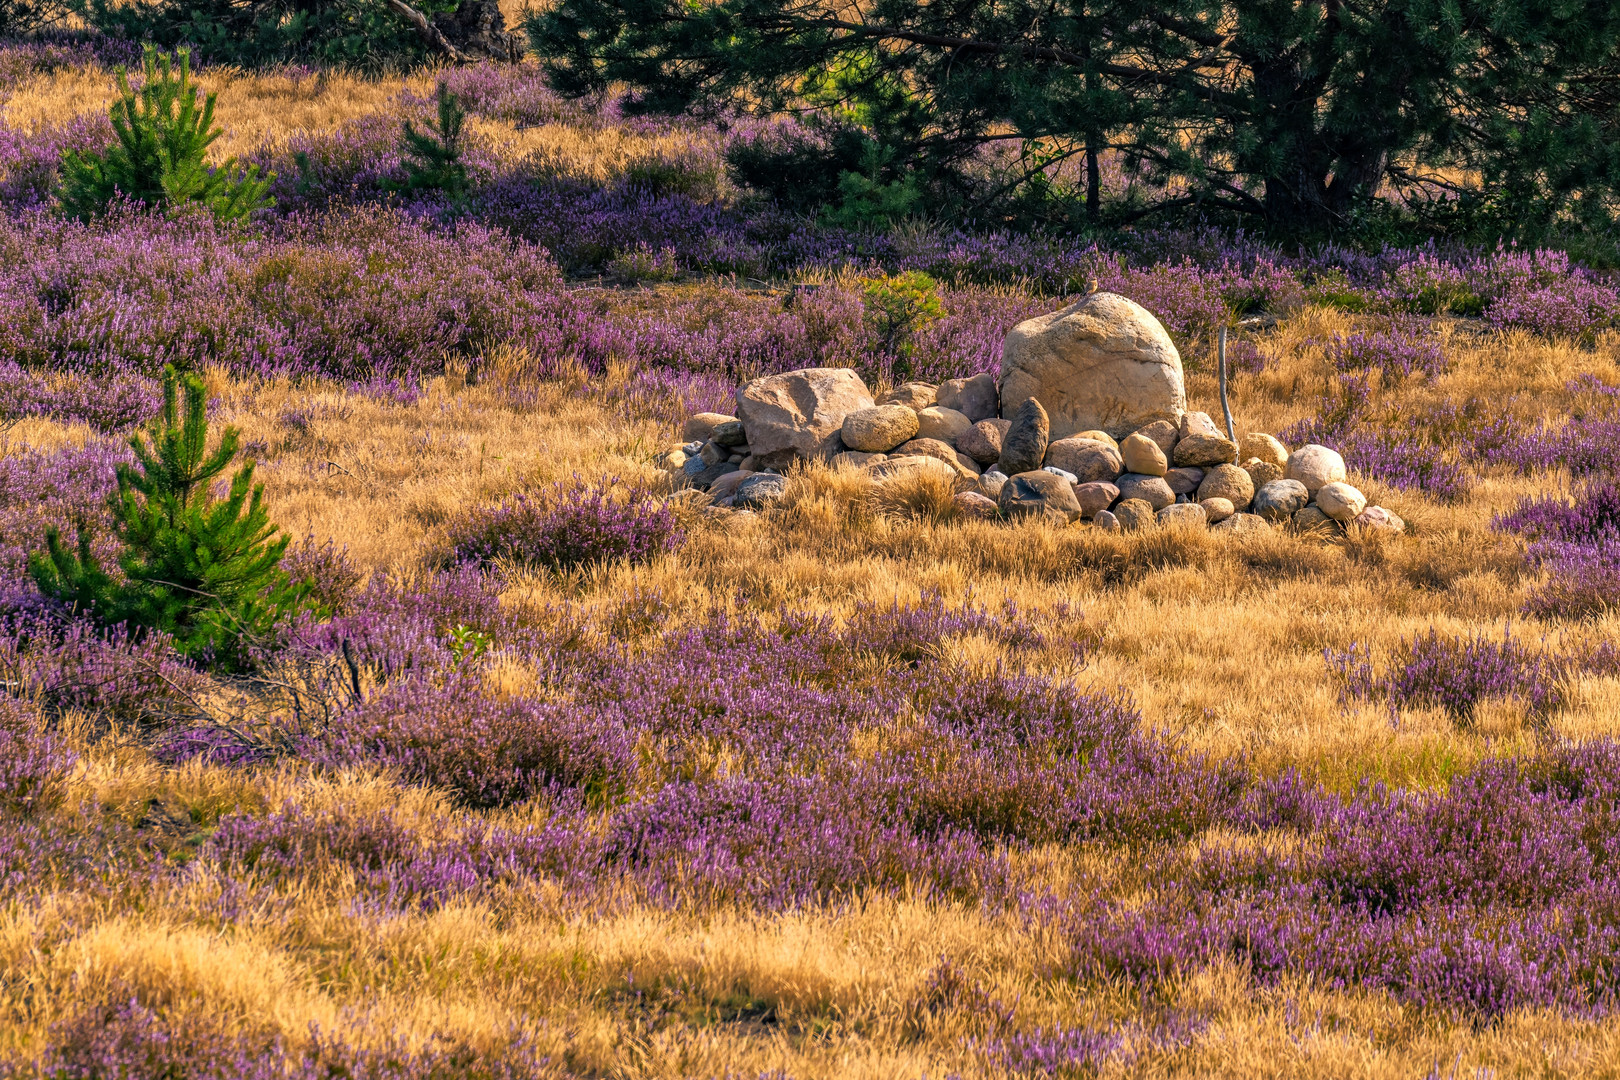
[258,109]
[1220,642]
[254,108]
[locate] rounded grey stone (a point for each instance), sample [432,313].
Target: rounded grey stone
[1278,500]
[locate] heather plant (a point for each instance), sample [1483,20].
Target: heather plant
[490,752]
[34,763]
[160,158]
[1456,674]
[104,403]
[1429,285]
[1394,354]
[323,575]
[571,524]
[432,158]
[1577,309]
[110,672]
[1413,452]
[201,569]
[1592,517]
[1577,545]
[642,264]
[1583,580]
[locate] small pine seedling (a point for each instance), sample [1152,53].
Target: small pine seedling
[160,158]
[432,158]
[203,569]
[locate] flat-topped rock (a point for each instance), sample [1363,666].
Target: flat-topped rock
[701,425]
[1087,459]
[799,415]
[1150,489]
[1102,362]
[915,396]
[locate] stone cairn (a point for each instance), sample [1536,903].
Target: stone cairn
[1088,422]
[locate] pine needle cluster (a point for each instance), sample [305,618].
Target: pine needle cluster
[432,157]
[160,158]
[203,569]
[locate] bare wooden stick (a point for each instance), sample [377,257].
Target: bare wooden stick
[1220,367]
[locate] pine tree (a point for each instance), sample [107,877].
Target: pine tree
[160,158]
[203,569]
[1292,113]
[432,158]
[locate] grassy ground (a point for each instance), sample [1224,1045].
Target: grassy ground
[1220,643]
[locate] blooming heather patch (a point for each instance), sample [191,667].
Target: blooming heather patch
[1577,543]
[1456,674]
[33,762]
[1593,516]
[106,403]
[1576,308]
[40,489]
[1495,894]
[1395,353]
[120,1035]
[572,524]
[489,751]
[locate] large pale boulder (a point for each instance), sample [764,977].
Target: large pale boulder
[1102,362]
[1315,467]
[799,414]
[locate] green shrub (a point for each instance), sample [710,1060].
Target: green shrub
[160,158]
[202,569]
[432,158]
[896,308]
[866,200]
[359,34]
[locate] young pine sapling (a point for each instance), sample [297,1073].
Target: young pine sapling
[203,569]
[432,158]
[160,158]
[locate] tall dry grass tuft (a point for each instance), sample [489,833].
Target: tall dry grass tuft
[924,497]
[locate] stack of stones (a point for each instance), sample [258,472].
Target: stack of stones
[1087,423]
